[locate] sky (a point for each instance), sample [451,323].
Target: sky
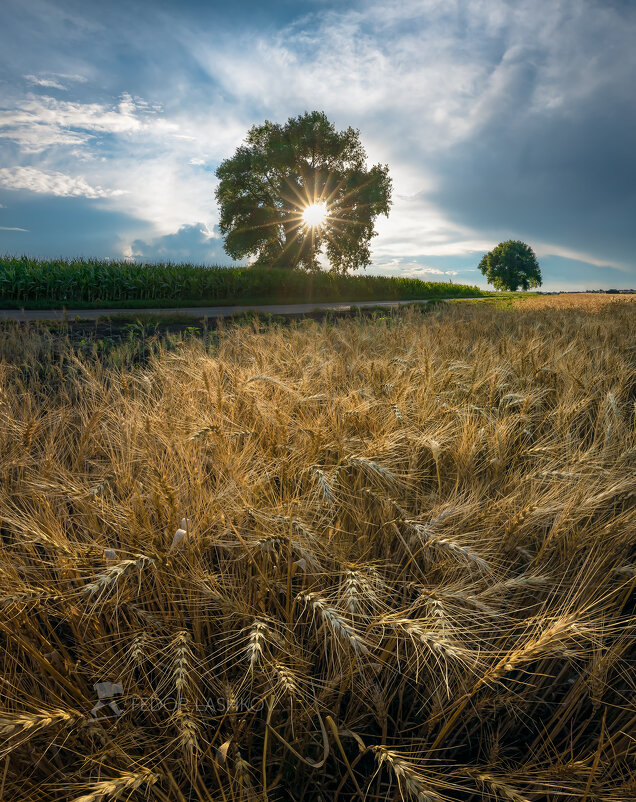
[498,120]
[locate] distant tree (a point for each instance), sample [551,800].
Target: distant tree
[511,265]
[299,189]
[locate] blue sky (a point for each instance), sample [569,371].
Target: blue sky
[498,120]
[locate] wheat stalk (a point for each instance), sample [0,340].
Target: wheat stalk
[551,637]
[323,483]
[188,737]
[139,648]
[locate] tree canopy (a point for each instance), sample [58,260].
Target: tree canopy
[512,264]
[295,190]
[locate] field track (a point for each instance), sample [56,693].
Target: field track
[199,311]
[579,300]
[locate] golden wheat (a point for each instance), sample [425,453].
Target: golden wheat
[350,559]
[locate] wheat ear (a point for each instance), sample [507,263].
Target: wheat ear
[258,637]
[500,787]
[12,727]
[334,621]
[182,659]
[110,578]
[408,778]
[421,535]
[114,788]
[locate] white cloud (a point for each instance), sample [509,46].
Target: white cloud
[145,169]
[366,66]
[163,190]
[410,268]
[49,83]
[150,158]
[545,249]
[38,137]
[52,183]
[12,228]
[39,122]
[53,80]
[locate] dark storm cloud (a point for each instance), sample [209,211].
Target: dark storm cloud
[561,176]
[193,244]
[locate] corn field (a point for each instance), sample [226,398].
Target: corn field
[34,282]
[361,560]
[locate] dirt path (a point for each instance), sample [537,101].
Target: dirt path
[196,311]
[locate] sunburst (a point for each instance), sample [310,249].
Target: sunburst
[315,215]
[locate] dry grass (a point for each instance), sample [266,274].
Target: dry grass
[361,560]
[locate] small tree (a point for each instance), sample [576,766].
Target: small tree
[297,189]
[511,265]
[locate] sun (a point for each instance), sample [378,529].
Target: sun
[315,214]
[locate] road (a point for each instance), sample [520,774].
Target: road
[197,311]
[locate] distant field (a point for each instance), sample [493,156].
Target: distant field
[383,557]
[589,302]
[34,284]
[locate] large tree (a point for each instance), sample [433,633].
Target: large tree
[512,264]
[295,190]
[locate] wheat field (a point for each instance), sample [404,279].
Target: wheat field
[366,559]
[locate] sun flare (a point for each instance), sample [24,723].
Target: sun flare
[315,214]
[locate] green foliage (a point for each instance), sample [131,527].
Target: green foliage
[31,282]
[281,170]
[511,265]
